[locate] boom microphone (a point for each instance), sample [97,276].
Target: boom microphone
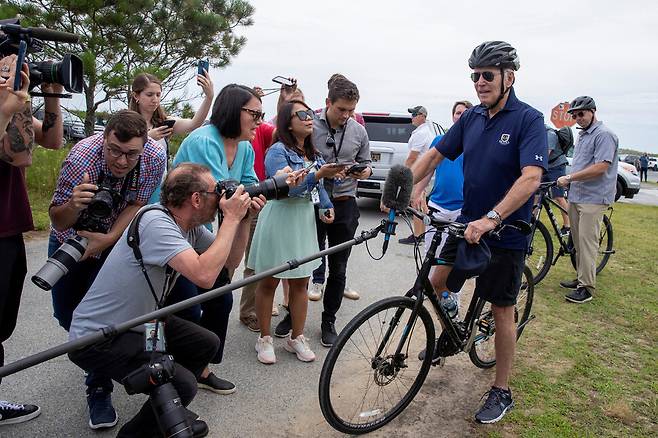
[396,196]
[397,188]
[52,35]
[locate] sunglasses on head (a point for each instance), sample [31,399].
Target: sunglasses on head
[577,114]
[487,75]
[257,115]
[305,115]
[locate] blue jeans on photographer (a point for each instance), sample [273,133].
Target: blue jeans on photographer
[67,294]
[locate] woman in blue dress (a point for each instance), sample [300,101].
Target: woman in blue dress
[286,227]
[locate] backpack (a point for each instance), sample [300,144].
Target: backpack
[564,141]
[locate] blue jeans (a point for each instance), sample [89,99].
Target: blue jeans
[67,294]
[212,315]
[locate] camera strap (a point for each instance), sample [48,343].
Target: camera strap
[133,242]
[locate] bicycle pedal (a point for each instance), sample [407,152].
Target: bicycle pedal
[441,361]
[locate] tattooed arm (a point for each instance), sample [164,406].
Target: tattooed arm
[17,138]
[50,132]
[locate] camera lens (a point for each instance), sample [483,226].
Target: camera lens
[60,262]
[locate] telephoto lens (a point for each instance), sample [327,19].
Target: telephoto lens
[170,412]
[59,264]
[271,188]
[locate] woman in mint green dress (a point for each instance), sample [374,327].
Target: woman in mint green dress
[286,228]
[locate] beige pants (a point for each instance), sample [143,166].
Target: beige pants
[585,228]
[248,296]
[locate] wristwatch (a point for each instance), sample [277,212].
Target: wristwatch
[494,216]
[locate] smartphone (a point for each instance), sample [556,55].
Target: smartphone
[20,59]
[202,64]
[311,166]
[169,123]
[283,81]
[357,168]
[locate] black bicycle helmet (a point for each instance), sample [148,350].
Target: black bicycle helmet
[582,103]
[494,54]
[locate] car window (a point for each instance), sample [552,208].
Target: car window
[391,129]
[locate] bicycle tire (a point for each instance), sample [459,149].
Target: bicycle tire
[344,389]
[605,235]
[487,328]
[539,254]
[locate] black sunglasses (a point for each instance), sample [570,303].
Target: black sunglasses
[487,75]
[305,115]
[331,142]
[577,114]
[257,115]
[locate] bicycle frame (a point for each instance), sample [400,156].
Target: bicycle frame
[461,334]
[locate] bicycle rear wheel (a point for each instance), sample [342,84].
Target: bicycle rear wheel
[483,353]
[361,390]
[539,254]
[605,245]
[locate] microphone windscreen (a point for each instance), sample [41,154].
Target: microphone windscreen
[397,188]
[53,35]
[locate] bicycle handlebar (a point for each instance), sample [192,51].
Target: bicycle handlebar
[457,228]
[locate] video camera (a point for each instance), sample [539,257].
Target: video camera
[18,40]
[154,379]
[92,219]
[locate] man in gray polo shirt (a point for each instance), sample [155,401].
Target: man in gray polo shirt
[592,185]
[341,140]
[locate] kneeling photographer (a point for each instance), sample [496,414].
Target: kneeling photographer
[103,182]
[171,240]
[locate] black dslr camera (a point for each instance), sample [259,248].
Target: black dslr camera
[154,379]
[18,40]
[272,188]
[91,219]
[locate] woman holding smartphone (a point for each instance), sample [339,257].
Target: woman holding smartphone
[286,227]
[146,98]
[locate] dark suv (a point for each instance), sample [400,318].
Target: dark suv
[74,128]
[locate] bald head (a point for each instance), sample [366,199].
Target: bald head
[181,182]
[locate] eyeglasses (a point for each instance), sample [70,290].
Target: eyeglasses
[487,75]
[117,153]
[257,115]
[577,114]
[331,142]
[305,115]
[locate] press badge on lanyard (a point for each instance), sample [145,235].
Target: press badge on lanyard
[154,341]
[315,196]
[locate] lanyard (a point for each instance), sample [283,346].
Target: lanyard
[332,132]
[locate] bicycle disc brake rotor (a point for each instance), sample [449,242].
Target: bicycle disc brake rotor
[386,369]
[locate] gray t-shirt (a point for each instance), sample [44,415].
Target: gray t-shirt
[595,145]
[120,291]
[355,148]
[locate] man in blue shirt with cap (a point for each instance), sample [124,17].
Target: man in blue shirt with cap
[505,153]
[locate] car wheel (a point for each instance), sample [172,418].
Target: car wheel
[620,190]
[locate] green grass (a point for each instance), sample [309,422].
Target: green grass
[592,369]
[41,179]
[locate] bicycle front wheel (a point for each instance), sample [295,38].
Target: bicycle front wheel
[483,352]
[605,245]
[539,254]
[364,384]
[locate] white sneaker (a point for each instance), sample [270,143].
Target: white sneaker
[265,349]
[300,347]
[315,294]
[350,293]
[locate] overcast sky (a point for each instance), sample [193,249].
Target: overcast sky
[415,52]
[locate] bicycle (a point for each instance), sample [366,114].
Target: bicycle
[380,348]
[540,251]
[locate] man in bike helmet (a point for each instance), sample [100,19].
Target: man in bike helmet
[505,151]
[592,186]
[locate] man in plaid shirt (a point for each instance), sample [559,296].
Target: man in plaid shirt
[124,158]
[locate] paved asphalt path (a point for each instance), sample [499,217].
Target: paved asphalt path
[280,400]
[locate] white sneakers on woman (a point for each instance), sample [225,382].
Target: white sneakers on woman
[298,346]
[265,350]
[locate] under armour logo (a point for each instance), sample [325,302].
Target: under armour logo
[504,139]
[539,157]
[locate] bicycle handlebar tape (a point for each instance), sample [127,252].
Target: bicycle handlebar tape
[471,260]
[397,188]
